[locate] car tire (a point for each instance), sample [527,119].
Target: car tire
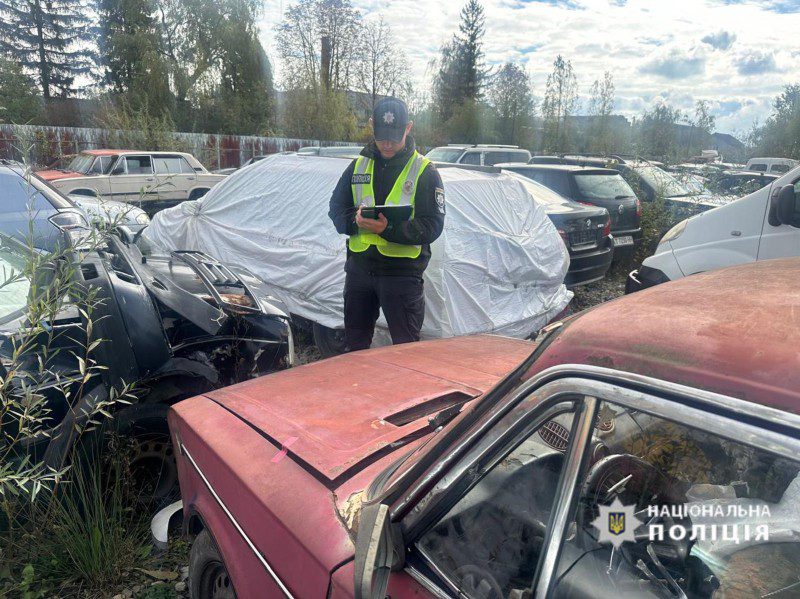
[197,194]
[144,431]
[329,342]
[208,576]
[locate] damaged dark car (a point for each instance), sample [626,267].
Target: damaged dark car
[172,324]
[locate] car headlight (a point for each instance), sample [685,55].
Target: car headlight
[142,218]
[674,232]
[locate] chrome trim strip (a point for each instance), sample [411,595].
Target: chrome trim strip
[560,518]
[257,553]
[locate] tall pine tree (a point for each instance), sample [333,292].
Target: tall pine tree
[48,38]
[461,74]
[130,55]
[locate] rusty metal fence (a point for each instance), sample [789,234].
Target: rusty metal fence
[44,145]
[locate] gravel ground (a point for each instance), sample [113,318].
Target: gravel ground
[612,287]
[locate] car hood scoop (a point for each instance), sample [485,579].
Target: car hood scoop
[337,416]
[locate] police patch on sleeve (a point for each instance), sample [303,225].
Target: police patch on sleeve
[362,179]
[440,200]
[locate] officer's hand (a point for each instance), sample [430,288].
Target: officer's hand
[372,225]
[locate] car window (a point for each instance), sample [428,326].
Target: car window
[779,168]
[558,182]
[139,165]
[14,287]
[168,165]
[667,506]
[661,181]
[540,193]
[20,195]
[494,157]
[757,167]
[444,154]
[82,163]
[597,186]
[471,158]
[489,543]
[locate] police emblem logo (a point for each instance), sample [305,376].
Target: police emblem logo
[408,186]
[440,200]
[616,523]
[388,118]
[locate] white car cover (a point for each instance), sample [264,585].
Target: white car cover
[498,267]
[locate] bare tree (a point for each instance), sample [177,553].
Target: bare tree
[300,41]
[560,103]
[381,69]
[512,99]
[600,107]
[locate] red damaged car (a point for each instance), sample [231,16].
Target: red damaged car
[649,447]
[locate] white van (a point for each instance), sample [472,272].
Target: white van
[759,226]
[777,166]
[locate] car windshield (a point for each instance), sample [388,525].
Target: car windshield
[602,186]
[661,181]
[82,163]
[14,286]
[444,154]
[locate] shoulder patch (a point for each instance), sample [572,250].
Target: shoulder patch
[440,200]
[364,178]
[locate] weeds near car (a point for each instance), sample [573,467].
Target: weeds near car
[55,519]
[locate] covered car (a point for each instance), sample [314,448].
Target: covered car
[498,267]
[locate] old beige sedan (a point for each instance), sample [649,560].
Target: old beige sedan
[154,180]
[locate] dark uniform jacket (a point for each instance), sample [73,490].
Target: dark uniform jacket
[422,230]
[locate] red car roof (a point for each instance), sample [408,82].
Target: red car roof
[106,152]
[734,331]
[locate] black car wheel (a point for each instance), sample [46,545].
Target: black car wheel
[208,577]
[330,342]
[137,440]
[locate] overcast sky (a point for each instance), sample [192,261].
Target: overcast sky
[738,54]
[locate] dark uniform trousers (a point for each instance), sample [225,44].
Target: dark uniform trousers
[400,297]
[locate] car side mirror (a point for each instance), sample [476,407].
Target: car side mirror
[785,209]
[379,551]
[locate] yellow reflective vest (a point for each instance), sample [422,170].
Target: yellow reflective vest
[402,194]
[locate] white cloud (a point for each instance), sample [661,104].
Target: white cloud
[653,48]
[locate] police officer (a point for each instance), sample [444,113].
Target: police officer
[385,261]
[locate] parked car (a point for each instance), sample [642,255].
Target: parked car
[759,226]
[175,324]
[482,467]
[596,187]
[740,183]
[103,213]
[498,266]
[651,182]
[155,180]
[349,152]
[478,154]
[771,165]
[546,160]
[33,212]
[585,230]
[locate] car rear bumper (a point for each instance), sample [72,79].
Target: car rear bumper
[644,277]
[590,266]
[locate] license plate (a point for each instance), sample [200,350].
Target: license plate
[624,240]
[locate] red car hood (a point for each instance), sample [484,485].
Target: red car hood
[340,415]
[52,175]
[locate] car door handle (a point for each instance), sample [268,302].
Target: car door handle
[148,178]
[191,178]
